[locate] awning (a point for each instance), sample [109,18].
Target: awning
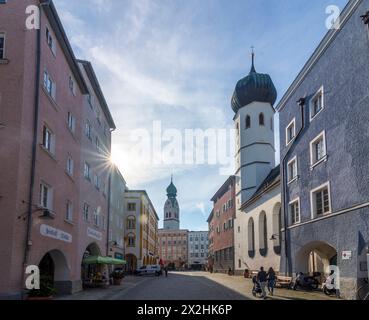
[103,260]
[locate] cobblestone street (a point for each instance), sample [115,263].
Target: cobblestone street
[188,286]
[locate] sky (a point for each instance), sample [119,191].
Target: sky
[178,62]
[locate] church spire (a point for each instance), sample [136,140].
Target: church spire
[253,61]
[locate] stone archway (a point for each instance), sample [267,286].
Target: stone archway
[131,265]
[54,271]
[315,256]
[87,270]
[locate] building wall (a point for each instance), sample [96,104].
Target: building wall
[222,227]
[173,247]
[342,70]
[198,247]
[270,204]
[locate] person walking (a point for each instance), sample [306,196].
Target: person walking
[166,271]
[262,278]
[271,277]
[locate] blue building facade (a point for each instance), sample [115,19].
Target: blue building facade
[324,138]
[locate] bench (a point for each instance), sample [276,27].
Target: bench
[284,282]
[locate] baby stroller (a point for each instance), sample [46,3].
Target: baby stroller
[256,290]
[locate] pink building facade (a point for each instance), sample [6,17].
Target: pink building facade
[44,105]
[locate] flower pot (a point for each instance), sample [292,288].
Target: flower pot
[117,282]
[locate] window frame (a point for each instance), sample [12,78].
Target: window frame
[313,192]
[293,122]
[3,36]
[297,221]
[70,166]
[320,92]
[313,155]
[289,178]
[49,196]
[69,211]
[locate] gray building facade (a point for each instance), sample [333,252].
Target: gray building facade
[324,134]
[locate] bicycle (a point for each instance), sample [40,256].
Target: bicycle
[363,291]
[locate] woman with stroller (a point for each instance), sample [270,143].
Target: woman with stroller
[271,277]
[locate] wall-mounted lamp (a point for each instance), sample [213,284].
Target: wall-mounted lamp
[365,18]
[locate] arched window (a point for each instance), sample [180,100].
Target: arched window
[272,124]
[251,238]
[131,240]
[263,234]
[277,228]
[238,129]
[248,122]
[261,119]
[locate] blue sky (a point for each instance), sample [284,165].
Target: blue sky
[178,62]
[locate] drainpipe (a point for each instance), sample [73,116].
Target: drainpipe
[301,104]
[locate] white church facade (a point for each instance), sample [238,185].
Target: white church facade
[258,197]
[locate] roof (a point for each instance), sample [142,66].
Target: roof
[319,51]
[100,96]
[273,179]
[56,25]
[145,193]
[210,216]
[224,188]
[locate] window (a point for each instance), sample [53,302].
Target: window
[131,240]
[72,86]
[251,237]
[248,122]
[88,129]
[50,41]
[261,119]
[98,115]
[295,211]
[87,171]
[49,85]
[318,149]
[45,196]
[131,206]
[320,200]
[292,170]
[86,210]
[272,123]
[291,131]
[2,46]
[69,211]
[70,166]
[96,219]
[71,122]
[98,146]
[48,139]
[131,223]
[97,181]
[317,103]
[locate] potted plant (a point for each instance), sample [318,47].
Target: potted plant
[117,277]
[46,291]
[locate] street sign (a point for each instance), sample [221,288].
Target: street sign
[346,255]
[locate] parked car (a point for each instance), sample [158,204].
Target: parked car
[149,270]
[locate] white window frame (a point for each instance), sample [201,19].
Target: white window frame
[86,212]
[72,85]
[312,200]
[71,121]
[313,164]
[50,35]
[50,146]
[292,123]
[48,80]
[70,166]
[289,178]
[297,200]
[88,167]
[3,36]
[49,196]
[320,92]
[69,211]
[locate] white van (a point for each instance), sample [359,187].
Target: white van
[153,269]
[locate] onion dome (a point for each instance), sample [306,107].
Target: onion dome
[254,87]
[171,190]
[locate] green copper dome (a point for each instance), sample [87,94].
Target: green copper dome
[254,87]
[172,190]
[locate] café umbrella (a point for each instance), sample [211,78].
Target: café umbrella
[103,260]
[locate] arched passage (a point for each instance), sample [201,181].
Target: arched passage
[316,256]
[54,271]
[131,262]
[277,227]
[89,271]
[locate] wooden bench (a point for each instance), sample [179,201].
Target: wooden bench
[284,282]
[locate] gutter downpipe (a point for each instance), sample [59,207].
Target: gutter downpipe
[34,145]
[288,266]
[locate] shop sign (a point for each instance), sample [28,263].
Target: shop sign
[51,232]
[346,255]
[92,233]
[118,256]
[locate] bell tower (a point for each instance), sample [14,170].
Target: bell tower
[252,102]
[171,209]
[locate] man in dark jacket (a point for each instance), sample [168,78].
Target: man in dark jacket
[262,278]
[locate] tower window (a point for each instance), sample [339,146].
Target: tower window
[248,122]
[261,119]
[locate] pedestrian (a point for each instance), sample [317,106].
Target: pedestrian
[166,271]
[262,278]
[271,277]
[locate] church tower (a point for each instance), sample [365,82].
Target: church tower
[252,102]
[171,209]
